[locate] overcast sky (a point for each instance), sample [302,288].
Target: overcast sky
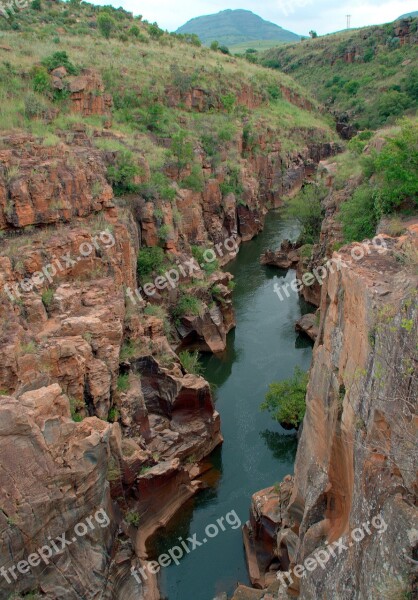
[300,16]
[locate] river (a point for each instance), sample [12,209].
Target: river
[257,452]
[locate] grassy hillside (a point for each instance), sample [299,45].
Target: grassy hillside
[236,27]
[371,74]
[149,75]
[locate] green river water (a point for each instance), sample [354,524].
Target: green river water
[257,452]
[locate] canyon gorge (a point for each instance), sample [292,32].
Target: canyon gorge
[143,233]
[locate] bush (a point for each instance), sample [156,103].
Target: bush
[228,102]
[122,174]
[194,181]
[392,103]
[199,255]
[106,24]
[160,186]
[123,383]
[190,362]
[36,5]
[396,167]
[155,32]
[59,59]
[182,150]
[41,81]
[133,518]
[306,208]
[358,215]
[149,260]
[134,31]
[186,305]
[34,107]
[285,400]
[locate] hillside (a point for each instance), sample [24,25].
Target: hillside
[236,27]
[407,15]
[366,77]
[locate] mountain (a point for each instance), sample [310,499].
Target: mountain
[232,27]
[411,14]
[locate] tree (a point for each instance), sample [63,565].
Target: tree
[182,150]
[106,24]
[313,34]
[285,400]
[214,46]
[307,208]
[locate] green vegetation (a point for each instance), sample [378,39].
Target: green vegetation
[390,184]
[285,400]
[306,207]
[150,260]
[47,297]
[190,361]
[77,407]
[364,74]
[123,383]
[187,305]
[122,174]
[133,518]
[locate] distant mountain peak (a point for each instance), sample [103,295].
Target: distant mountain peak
[236,26]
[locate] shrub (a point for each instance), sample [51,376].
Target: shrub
[106,23]
[41,81]
[392,103]
[214,46]
[59,59]
[122,174]
[36,5]
[76,405]
[34,107]
[228,102]
[187,305]
[133,518]
[396,167]
[47,297]
[123,383]
[149,260]
[190,362]
[134,31]
[182,150]
[194,181]
[224,49]
[233,183]
[155,32]
[199,255]
[285,400]
[306,207]
[164,233]
[358,215]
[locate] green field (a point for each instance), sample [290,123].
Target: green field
[259,45]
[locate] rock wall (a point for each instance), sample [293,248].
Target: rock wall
[356,457]
[97,410]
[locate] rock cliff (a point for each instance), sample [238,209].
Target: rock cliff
[356,457]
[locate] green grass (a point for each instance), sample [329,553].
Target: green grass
[379,85]
[258,45]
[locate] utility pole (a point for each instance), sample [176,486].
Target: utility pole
[348,21]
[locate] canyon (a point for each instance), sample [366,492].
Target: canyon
[130,383]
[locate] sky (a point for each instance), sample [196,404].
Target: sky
[300,16]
